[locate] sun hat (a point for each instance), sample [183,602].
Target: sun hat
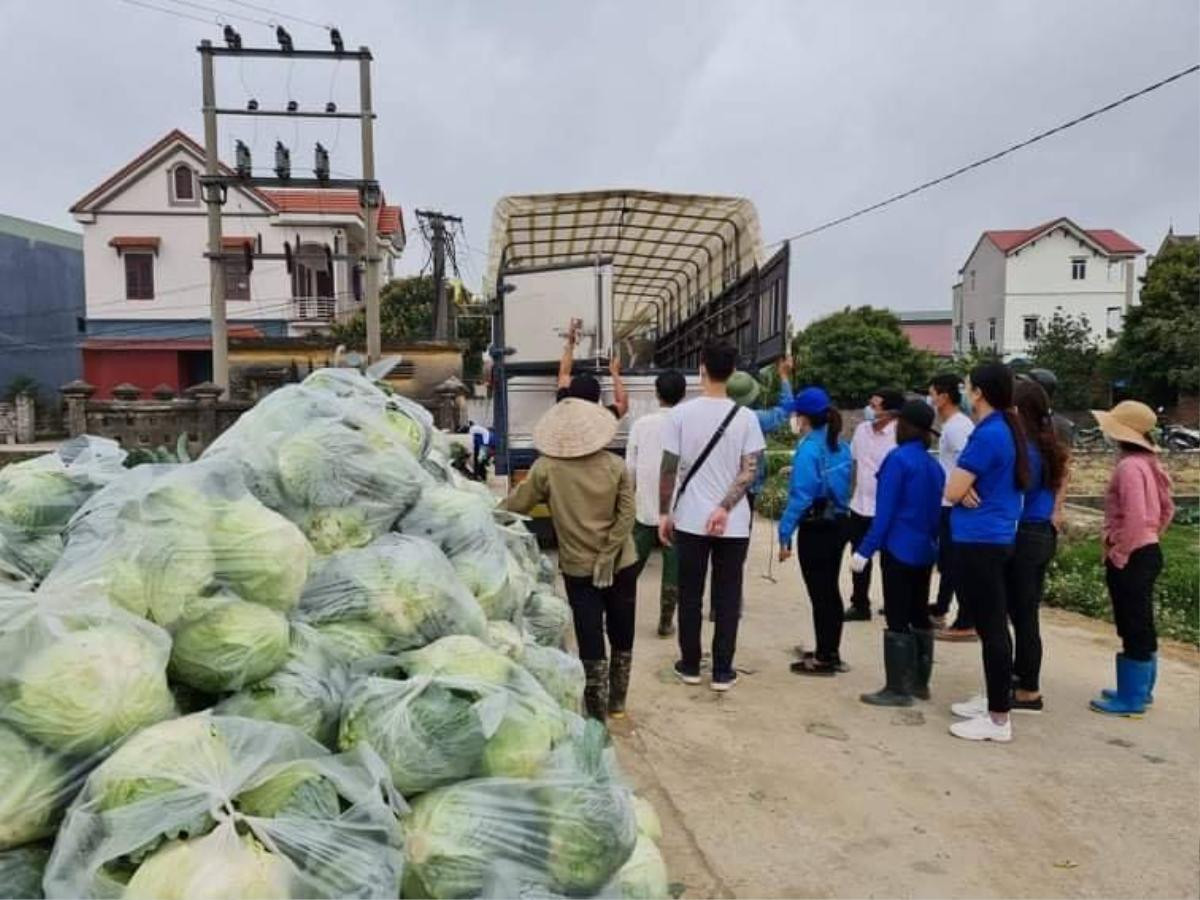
[919,414]
[811,401]
[742,388]
[1129,421]
[574,428]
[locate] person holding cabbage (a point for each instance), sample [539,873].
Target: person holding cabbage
[590,495]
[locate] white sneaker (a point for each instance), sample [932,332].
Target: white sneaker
[971,709]
[983,729]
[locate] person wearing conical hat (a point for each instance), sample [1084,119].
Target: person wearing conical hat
[591,502]
[1137,510]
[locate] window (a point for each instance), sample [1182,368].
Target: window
[992,330]
[958,337]
[1031,328]
[1113,320]
[183,184]
[972,279]
[971,335]
[139,276]
[237,279]
[1079,268]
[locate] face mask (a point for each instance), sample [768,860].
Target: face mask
[929,402]
[869,413]
[797,425]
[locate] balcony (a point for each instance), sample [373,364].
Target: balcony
[314,310]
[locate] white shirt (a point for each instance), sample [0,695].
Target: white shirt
[868,448]
[643,458]
[686,431]
[955,431]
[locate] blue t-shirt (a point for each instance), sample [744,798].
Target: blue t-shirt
[991,456]
[1039,499]
[908,506]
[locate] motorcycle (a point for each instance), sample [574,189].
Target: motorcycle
[1177,437]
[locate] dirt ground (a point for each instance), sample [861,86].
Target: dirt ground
[790,787]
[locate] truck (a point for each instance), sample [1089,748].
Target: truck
[649,276]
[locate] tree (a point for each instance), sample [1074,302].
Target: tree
[1067,347]
[857,351]
[406,314]
[1158,352]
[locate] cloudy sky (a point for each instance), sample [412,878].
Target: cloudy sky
[809,109]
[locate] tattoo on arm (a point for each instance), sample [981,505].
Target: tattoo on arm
[667,473]
[741,484]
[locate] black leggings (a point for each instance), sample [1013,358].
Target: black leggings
[1026,583]
[905,594]
[1132,593]
[983,587]
[597,610]
[860,597]
[820,545]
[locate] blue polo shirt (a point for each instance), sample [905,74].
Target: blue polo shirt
[908,506]
[991,456]
[1039,499]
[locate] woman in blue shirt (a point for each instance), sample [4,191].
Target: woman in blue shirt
[817,513]
[987,488]
[908,513]
[1036,540]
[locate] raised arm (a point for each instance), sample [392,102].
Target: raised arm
[568,358]
[620,397]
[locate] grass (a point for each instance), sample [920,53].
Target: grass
[1076,582]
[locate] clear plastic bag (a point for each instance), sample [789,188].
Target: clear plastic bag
[402,586]
[463,656]
[76,676]
[216,806]
[547,618]
[21,872]
[38,497]
[558,672]
[335,454]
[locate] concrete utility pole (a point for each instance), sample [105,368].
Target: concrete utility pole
[370,204]
[214,197]
[437,241]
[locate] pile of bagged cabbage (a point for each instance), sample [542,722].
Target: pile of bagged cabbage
[313,663]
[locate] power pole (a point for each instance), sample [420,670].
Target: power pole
[437,241]
[214,197]
[370,204]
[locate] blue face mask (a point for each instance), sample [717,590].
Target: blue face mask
[869,413]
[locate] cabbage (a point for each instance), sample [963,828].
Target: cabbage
[590,835]
[259,555]
[234,644]
[222,866]
[318,465]
[21,871]
[547,618]
[560,673]
[463,656]
[506,637]
[335,529]
[34,785]
[297,790]
[162,575]
[91,688]
[522,742]
[647,819]
[353,639]
[644,876]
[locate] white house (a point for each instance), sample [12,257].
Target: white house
[1014,281]
[147,278]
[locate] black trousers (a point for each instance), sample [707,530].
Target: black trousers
[905,594]
[987,594]
[1132,593]
[597,611]
[728,558]
[945,565]
[1026,577]
[820,545]
[861,596]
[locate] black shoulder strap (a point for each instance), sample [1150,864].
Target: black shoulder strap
[708,448]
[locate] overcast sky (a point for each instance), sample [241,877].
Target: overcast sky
[809,109]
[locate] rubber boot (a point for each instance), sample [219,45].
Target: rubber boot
[1111,693]
[618,683]
[900,665]
[595,690]
[1133,683]
[924,663]
[666,612]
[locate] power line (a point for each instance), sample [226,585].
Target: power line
[169,12]
[220,12]
[990,158]
[279,15]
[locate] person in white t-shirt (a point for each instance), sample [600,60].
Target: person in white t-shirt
[704,512]
[873,440]
[945,393]
[643,458]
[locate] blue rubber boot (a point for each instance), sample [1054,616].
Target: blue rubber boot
[1110,693]
[1133,683]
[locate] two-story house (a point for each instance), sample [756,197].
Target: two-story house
[147,279]
[1015,280]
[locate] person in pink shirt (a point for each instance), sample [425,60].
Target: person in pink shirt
[1137,510]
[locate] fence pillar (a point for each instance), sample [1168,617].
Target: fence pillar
[26,414]
[76,395]
[205,396]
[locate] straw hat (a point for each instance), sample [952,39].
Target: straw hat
[574,428]
[1128,421]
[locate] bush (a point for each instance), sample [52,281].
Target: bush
[1076,582]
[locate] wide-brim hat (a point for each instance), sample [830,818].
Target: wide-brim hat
[573,428]
[1129,422]
[742,388]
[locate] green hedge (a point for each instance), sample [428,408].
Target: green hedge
[1076,582]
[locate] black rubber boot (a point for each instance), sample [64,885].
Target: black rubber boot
[666,612]
[858,613]
[618,683]
[595,690]
[924,663]
[900,664]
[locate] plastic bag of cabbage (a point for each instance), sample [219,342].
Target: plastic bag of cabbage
[335,454]
[76,676]
[215,806]
[39,496]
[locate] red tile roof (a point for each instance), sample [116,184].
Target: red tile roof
[1108,240]
[391,220]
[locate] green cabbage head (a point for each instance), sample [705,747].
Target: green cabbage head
[644,876]
[34,786]
[259,555]
[21,871]
[220,866]
[296,790]
[337,528]
[591,833]
[235,644]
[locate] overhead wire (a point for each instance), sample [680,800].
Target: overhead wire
[170,12]
[277,14]
[219,12]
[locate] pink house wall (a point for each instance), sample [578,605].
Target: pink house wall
[937,337]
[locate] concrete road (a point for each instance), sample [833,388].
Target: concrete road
[790,787]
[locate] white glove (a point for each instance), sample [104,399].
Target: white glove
[858,563]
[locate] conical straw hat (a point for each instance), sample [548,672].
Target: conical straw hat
[573,428]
